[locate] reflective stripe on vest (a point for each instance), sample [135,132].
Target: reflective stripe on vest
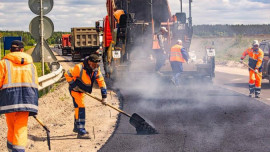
[175,54]
[69,74]
[80,78]
[22,84]
[16,106]
[155,43]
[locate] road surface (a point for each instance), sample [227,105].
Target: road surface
[196,117]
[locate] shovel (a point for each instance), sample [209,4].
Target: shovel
[142,127]
[47,131]
[251,68]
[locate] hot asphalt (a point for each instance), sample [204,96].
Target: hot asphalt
[194,117]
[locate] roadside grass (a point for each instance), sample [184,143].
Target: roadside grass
[39,68]
[227,48]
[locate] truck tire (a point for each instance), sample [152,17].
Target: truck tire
[64,52]
[72,57]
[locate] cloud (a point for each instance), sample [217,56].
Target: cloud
[75,13]
[261,1]
[226,11]
[65,14]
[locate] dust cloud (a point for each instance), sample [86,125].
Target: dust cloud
[197,107]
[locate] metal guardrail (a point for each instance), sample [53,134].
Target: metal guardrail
[50,79]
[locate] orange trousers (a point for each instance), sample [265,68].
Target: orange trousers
[78,99]
[255,81]
[255,78]
[79,116]
[17,130]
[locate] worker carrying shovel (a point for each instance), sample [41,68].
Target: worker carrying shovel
[81,79]
[18,94]
[255,68]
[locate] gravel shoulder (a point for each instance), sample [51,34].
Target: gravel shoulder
[57,112]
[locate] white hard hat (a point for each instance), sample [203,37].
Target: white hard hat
[255,42]
[163,29]
[179,42]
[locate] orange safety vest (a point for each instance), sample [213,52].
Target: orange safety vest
[155,43]
[255,58]
[78,75]
[175,54]
[117,14]
[18,84]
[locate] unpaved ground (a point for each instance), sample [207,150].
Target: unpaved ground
[56,111]
[233,68]
[227,48]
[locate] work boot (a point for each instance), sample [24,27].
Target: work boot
[75,129]
[257,96]
[83,134]
[257,92]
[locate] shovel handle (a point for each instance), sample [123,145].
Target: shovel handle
[109,105]
[47,131]
[39,121]
[251,68]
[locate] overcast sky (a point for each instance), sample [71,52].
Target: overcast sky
[16,15]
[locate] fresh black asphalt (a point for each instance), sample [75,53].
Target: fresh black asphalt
[196,117]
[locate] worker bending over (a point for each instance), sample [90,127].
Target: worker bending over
[178,55]
[18,94]
[255,68]
[81,79]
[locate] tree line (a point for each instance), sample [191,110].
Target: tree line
[230,30]
[198,30]
[30,41]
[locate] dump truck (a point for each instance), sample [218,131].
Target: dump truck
[132,41]
[66,44]
[84,41]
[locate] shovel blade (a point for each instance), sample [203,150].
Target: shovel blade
[136,120]
[142,127]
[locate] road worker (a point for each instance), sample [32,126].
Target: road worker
[159,48]
[121,20]
[81,79]
[18,94]
[255,68]
[117,14]
[178,56]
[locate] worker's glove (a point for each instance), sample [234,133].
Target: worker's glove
[104,101]
[241,61]
[256,71]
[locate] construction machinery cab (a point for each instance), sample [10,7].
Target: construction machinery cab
[181,17]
